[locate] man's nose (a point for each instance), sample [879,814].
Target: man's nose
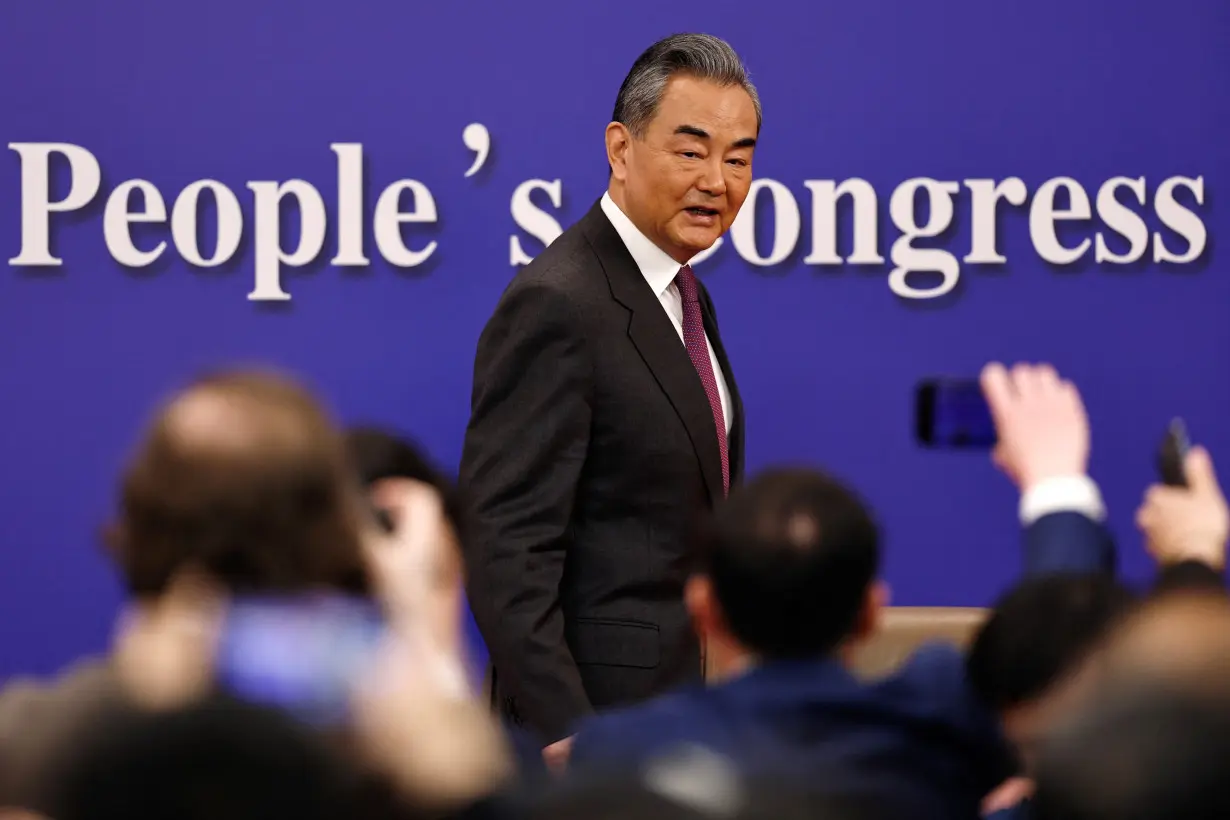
[713,180]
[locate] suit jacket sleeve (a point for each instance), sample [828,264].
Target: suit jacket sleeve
[1068,542]
[595,745]
[623,740]
[938,671]
[524,450]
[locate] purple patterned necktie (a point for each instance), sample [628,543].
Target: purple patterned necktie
[698,350]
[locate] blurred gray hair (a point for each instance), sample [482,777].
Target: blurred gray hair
[702,56]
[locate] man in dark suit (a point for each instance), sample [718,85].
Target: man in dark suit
[604,411]
[789,587]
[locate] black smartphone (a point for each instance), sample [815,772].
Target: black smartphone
[300,654]
[952,413]
[1173,453]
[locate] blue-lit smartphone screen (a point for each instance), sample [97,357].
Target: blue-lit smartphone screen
[302,655]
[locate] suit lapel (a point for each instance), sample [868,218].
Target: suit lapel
[658,343]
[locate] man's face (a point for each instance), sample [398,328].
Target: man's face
[686,177]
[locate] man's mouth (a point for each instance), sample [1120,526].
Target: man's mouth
[702,211]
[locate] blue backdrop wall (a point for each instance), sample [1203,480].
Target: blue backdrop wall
[886,92]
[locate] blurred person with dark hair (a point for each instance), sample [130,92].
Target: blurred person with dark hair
[379,454]
[789,588]
[384,459]
[1033,660]
[1038,635]
[790,579]
[793,561]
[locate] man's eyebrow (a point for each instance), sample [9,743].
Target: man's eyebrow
[692,131]
[700,133]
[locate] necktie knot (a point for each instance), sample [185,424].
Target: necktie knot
[685,280]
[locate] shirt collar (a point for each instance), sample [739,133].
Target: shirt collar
[655,265]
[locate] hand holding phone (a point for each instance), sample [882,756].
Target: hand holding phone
[1187,519]
[1172,455]
[410,561]
[1032,420]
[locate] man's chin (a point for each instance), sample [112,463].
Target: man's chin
[697,240]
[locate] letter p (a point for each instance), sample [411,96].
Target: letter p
[36,204]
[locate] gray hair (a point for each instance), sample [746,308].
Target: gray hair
[702,56]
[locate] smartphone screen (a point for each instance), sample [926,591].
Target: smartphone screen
[952,413]
[299,654]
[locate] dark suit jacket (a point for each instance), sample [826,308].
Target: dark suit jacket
[919,738]
[591,447]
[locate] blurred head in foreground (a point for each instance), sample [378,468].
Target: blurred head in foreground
[789,567]
[1037,656]
[244,479]
[215,759]
[1142,753]
[1181,639]
[1156,743]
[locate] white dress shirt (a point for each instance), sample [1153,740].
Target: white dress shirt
[659,271]
[1074,493]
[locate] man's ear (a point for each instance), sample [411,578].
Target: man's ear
[617,142]
[876,599]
